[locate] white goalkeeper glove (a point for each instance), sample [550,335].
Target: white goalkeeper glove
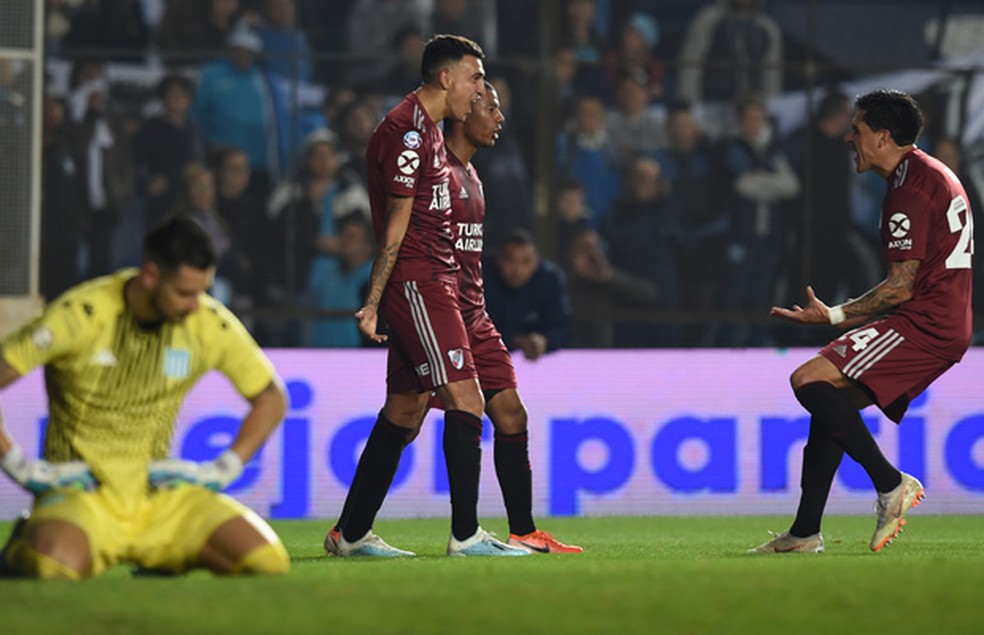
[39,476]
[215,475]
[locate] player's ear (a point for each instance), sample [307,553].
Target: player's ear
[444,77]
[150,273]
[884,136]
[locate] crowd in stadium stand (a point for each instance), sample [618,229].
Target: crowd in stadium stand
[679,209]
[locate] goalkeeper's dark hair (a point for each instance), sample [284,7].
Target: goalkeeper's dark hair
[894,111]
[442,49]
[179,240]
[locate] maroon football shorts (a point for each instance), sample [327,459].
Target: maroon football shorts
[428,342]
[889,358]
[492,359]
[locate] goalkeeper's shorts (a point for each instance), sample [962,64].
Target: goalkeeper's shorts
[164,531]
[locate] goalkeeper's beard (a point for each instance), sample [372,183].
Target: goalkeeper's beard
[163,315]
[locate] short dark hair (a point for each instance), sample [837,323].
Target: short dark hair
[892,110]
[174,80]
[177,241]
[569,184]
[356,218]
[750,99]
[679,104]
[831,104]
[518,236]
[218,156]
[445,48]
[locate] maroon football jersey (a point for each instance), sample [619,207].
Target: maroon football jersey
[467,216]
[926,216]
[406,157]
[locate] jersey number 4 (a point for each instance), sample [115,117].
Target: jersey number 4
[959,258]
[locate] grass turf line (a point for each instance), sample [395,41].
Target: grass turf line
[638,575]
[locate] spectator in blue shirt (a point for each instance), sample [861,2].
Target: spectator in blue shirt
[585,153]
[527,298]
[236,104]
[341,285]
[285,47]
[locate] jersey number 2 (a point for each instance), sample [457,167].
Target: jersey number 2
[959,258]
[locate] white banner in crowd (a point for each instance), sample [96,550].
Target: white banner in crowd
[611,433]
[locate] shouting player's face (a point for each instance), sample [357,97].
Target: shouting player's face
[866,143]
[174,297]
[483,125]
[465,85]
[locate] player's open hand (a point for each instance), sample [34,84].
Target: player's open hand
[815,311]
[368,317]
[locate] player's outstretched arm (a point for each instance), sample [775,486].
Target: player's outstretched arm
[266,412]
[398,211]
[894,290]
[815,311]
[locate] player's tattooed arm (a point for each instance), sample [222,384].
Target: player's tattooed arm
[382,268]
[895,289]
[398,210]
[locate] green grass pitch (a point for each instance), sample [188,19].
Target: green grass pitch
[638,575]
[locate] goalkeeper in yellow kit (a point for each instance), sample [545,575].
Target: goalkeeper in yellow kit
[119,354]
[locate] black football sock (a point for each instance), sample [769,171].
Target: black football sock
[832,410]
[512,468]
[821,458]
[377,467]
[463,455]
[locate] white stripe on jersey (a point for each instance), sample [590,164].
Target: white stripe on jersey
[901,172]
[876,350]
[421,322]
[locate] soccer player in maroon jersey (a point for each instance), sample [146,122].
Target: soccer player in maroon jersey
[414,281]
[910,328]
[492,360]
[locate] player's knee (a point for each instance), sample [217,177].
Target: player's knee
[405,412]
[267,559]
[802,376]
[60,545]
[507,412]
[513,422]
[23,559]
[463,395]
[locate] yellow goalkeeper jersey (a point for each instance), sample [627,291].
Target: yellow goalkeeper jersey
[115,388]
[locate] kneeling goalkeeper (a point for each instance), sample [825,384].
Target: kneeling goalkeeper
[119,354]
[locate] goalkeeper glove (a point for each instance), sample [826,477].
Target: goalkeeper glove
[215,475]
[39,476]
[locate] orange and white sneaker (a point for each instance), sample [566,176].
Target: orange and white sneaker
[891,508]
[542,542]
[369,545]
